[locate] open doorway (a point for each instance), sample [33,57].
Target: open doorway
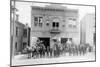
[24,45]
[46,41]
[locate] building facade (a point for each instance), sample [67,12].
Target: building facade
[20,38]
[54,22]
[88,34]
[26,36]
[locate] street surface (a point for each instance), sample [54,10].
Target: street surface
[22,59]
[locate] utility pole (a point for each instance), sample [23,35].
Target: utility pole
[12,21]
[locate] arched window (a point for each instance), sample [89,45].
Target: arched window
[55,23]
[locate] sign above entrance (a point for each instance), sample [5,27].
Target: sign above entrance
[55,31]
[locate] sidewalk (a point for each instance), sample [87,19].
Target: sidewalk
[22,59]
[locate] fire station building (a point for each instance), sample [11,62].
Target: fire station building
[54,22]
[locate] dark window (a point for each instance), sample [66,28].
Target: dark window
[74,19]
[53,24]
[25,33]
[40,24]
[57,24]
[64,40]
[16,31]
[70,25]
[16,45]
[40,21]
[24,45]
[35,18]
[47,24]
[70,39]
[63,20]
[70,18]
[63,25]
[35,21]
[74,26]
[35,24]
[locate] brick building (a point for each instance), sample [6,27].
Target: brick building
[54,22]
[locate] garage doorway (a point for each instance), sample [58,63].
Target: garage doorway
[46,41]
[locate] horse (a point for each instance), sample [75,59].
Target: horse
[82,49]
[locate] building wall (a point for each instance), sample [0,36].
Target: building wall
[61,16]
[88,29]
[67,18]
[26,36]
[83,31]
[19,39]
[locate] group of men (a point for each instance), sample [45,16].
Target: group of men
[39,49]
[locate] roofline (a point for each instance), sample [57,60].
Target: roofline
[67,9]
[19,23]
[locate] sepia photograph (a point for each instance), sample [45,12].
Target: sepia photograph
[51,33]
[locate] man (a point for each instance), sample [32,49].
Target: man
[28,48]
